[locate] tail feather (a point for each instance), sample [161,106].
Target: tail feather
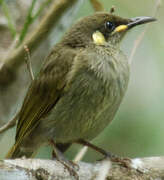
[17,152]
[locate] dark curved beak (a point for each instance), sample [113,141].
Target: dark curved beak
[140,20]
[132,23]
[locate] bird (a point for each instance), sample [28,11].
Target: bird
[79,88]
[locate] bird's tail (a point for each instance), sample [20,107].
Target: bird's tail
[17,152]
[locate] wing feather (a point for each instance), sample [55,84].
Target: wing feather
[44,92]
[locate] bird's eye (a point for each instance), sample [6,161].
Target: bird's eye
[109,25]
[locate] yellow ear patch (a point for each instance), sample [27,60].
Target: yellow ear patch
[98,38]
[120,28]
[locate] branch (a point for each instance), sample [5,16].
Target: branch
[34,169]
[31,17]
[16,58]
[27,23]
[97,5]
[28,62]
[9,124]
[79,156]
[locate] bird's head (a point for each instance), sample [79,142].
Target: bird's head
[101,28]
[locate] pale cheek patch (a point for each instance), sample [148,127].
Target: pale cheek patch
[98,38]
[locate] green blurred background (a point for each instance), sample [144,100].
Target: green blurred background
[138,128]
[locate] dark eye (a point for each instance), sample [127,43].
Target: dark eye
[109,25]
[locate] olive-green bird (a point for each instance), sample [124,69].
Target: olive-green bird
[79,88]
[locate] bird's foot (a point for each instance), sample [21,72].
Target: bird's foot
[125,162]
[63,160]
[71,166]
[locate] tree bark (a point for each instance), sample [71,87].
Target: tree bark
[36,169]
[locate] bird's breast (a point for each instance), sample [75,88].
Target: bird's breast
[112,73]
[91,100]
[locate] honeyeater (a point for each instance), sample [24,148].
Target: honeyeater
[79,88]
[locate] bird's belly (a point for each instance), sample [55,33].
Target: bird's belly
[85,111]
[84,122]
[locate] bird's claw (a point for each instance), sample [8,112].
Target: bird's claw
[125,162]
[75,165]
[71,167]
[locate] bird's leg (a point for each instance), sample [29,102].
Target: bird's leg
[123,161]
[69,165]
[96,148]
